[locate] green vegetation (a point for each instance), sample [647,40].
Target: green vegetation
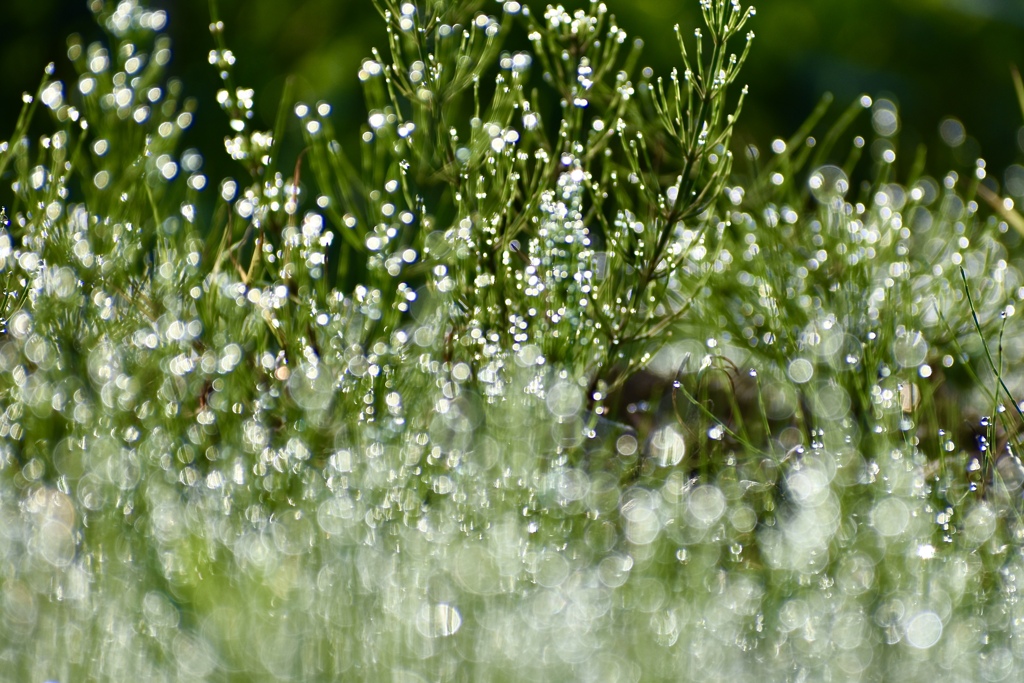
[542,380]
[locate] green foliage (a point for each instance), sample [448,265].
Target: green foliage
[360,413]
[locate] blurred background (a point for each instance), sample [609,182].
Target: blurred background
[932,58]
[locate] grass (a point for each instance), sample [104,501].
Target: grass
[543,380]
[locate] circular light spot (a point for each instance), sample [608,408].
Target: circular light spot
[924,630]
[613,571]
[551,570]
[801,370]
[808,486]
[626,445]
[828,183]
[884,118]
[668,446]
[438,620]
[564,399]
[980,523]
[952,132]
[890,516]
[706,505]
[910,349]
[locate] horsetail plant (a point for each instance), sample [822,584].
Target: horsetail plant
[557,216]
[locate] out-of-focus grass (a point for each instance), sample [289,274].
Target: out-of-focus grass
[363,415]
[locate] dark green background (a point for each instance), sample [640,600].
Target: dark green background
[932,57]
